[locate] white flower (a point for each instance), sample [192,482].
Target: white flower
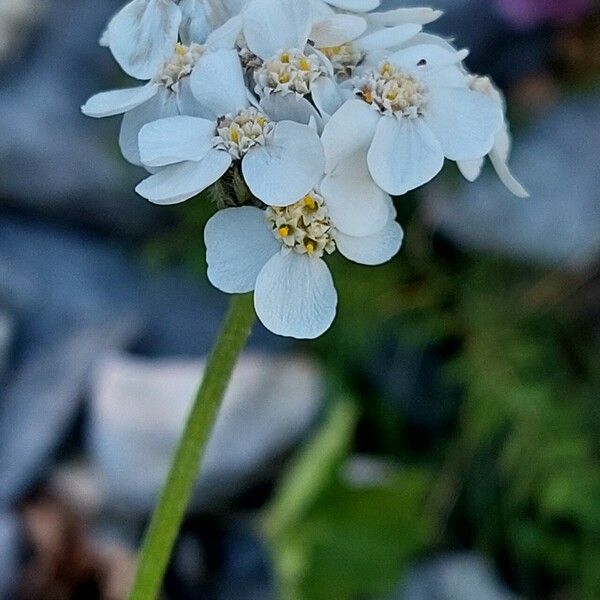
[377,41]
[168,93]
[502,144]
[201,17]
[280,161]
[142,35]
[410,112]
[277,32]
[279,253]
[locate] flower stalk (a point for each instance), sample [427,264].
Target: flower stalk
[166,521]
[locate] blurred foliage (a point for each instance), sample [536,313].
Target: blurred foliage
[335,538]
[478,377]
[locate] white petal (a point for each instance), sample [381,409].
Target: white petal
[290,108]
[388,37]
[187,103]
[429,61]
[177,183]
[225,37]
[399,16]
[162,105]
[349,130]
[218,82]
[326,96]
[238,245]
[287,167]
[274,25]
[295,296]
[143,34]
[355,5]
[357,205]
[470,169]
[465,122]
[404,155]
[175,139]
[107,104]
[498,156]
[336,30]
[374,249]
[195,24]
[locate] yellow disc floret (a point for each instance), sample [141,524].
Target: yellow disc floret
[303,227]
[290,71]
[391,90]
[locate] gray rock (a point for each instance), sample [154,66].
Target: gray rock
[557,160]
[454,577]
[6,334]
[42,399]
[54,281]
[139,407]
[222,562]
[53,159]
[10,550]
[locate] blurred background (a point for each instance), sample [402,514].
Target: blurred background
[441,442]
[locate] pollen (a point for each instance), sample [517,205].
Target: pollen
[386,70]
[344,60]
[238,133]
[179,66]
[310,202]
[303,227]
[290,71]
[390,90]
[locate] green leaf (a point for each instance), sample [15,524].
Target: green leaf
[334,539]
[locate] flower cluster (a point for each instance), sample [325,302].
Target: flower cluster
[323,108]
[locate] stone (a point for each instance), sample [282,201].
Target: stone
[138,409]
[54,159]
[465,576]
[224,561]
[6,335]
[10,551]
[42,400]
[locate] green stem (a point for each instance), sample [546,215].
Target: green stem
[167,518]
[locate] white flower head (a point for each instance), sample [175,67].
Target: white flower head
[279,253]
[411,111]
[325,107]
[169,91]
[280,161]
[291,71]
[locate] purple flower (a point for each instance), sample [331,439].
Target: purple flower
[529,13]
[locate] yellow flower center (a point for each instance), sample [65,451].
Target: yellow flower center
[303,227]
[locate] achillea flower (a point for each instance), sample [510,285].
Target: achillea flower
[410,112]
[168,93]
[320,109]
[280,161]
[279,254]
